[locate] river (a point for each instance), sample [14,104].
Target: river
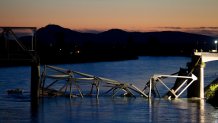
[17,108]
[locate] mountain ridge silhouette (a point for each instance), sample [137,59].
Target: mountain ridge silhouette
[56,44]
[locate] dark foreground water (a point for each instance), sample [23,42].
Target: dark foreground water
[18,108]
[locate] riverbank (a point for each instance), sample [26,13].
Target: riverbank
[211,93]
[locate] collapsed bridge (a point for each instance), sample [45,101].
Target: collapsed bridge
[57,81]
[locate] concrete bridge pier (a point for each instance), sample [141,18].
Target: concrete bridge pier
[35,79]
[197,88]
[196,66]
[201,80]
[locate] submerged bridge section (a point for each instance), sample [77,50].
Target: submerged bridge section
[196,67]
[57,81]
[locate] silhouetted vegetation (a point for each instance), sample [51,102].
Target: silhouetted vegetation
[211,93]
[56,44]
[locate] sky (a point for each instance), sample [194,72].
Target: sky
[131,15]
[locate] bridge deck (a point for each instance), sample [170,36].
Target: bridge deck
[207,56]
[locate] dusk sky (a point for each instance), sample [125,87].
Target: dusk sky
[131,15]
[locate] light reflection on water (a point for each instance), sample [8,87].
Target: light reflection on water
[125,110]
[108,110]
[17,108]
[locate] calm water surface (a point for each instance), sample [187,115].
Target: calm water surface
[17,108]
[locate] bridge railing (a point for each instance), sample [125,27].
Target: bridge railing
[17,43]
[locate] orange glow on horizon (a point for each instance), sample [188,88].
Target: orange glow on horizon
[100,15]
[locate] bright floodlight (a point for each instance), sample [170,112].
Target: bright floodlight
[216,44]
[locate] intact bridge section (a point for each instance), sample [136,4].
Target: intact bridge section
[196,66]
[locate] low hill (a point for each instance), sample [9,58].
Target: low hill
[57,44]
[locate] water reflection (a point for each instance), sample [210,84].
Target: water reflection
[105,109]
[179,110]
[121,109]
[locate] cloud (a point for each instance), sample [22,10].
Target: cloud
[91,31]
[208,27]
[171,27]
[210,31]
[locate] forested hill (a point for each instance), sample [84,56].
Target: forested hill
[58,43]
